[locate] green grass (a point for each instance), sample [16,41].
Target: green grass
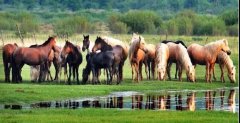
[114,115]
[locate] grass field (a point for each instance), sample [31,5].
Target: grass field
[28,92]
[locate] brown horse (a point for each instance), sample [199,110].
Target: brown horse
[46,72]
[8,50]
[136,56]
[86,43]
[73,57]
[32,56]
[207,55]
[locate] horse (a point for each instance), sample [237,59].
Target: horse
[59,63]
[7,52]
[224,60]
[34,73]
[136,56]
[184,62]
[118,51]
[32,56]
[149,61]
[176,42]
[93,64]
[207,55]
[162,55]
[73,57]
[113,42]
[86,43]
[46,72]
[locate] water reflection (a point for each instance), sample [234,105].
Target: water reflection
[221,99]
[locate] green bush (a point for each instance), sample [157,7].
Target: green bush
[233,30]
[71,25]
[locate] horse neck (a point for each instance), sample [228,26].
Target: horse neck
[185,59]
[163,56]
[106,47]
[215,48]
[47,48]
[227,62]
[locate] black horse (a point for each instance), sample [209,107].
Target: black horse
[118,51]
[97,61]
[170,64]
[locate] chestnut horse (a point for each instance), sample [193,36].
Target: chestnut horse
[207,55]
[136,56]
[8,50]
[32,56]
[118,52]
[225,61]
[73,57]
[162,55]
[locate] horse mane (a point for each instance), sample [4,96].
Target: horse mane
[212,45]
[184,57]
[226,60]
[46,42]
[176,42]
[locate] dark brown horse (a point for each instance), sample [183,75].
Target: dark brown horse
[73,57]
[32,56]
[118,52]
[8,50]
[86,43]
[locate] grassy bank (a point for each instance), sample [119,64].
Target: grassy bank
[113,115]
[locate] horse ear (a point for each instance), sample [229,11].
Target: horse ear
[83,35]
[139,38]
[87,36]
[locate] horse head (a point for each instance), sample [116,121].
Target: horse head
[142,44]
[225,47]
[66,49]
[97,44]
[191,73]
[232,74]
[161,72]
[86,42]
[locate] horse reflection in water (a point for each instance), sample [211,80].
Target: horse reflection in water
[191,105]
[137,101]
[231,101]
[209,98]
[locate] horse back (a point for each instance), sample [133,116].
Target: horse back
[7,52]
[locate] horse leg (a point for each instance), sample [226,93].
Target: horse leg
[70,74]
[136,71]
[77,74]
[140,70]
[210,72]
[222,73]
[133,68]
[20,71]
[146,69]
[6,70]
[176,71]
[120,70]
[207,72]
[168,70]
[214,77]
[179,72]
[153,69]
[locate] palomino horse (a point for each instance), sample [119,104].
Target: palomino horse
[136,56]
[118,52]
[73,57]
[8,50]
[32,56]
[113,42]
[149,61]
[176,42]
[224,60]
[184,62]
[162,55]
[207,55]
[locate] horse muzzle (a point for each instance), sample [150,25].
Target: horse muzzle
[228,52]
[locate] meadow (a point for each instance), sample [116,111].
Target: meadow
[28,92]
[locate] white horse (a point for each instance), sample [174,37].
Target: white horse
[162,55]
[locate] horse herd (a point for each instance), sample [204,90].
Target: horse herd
[110,55]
